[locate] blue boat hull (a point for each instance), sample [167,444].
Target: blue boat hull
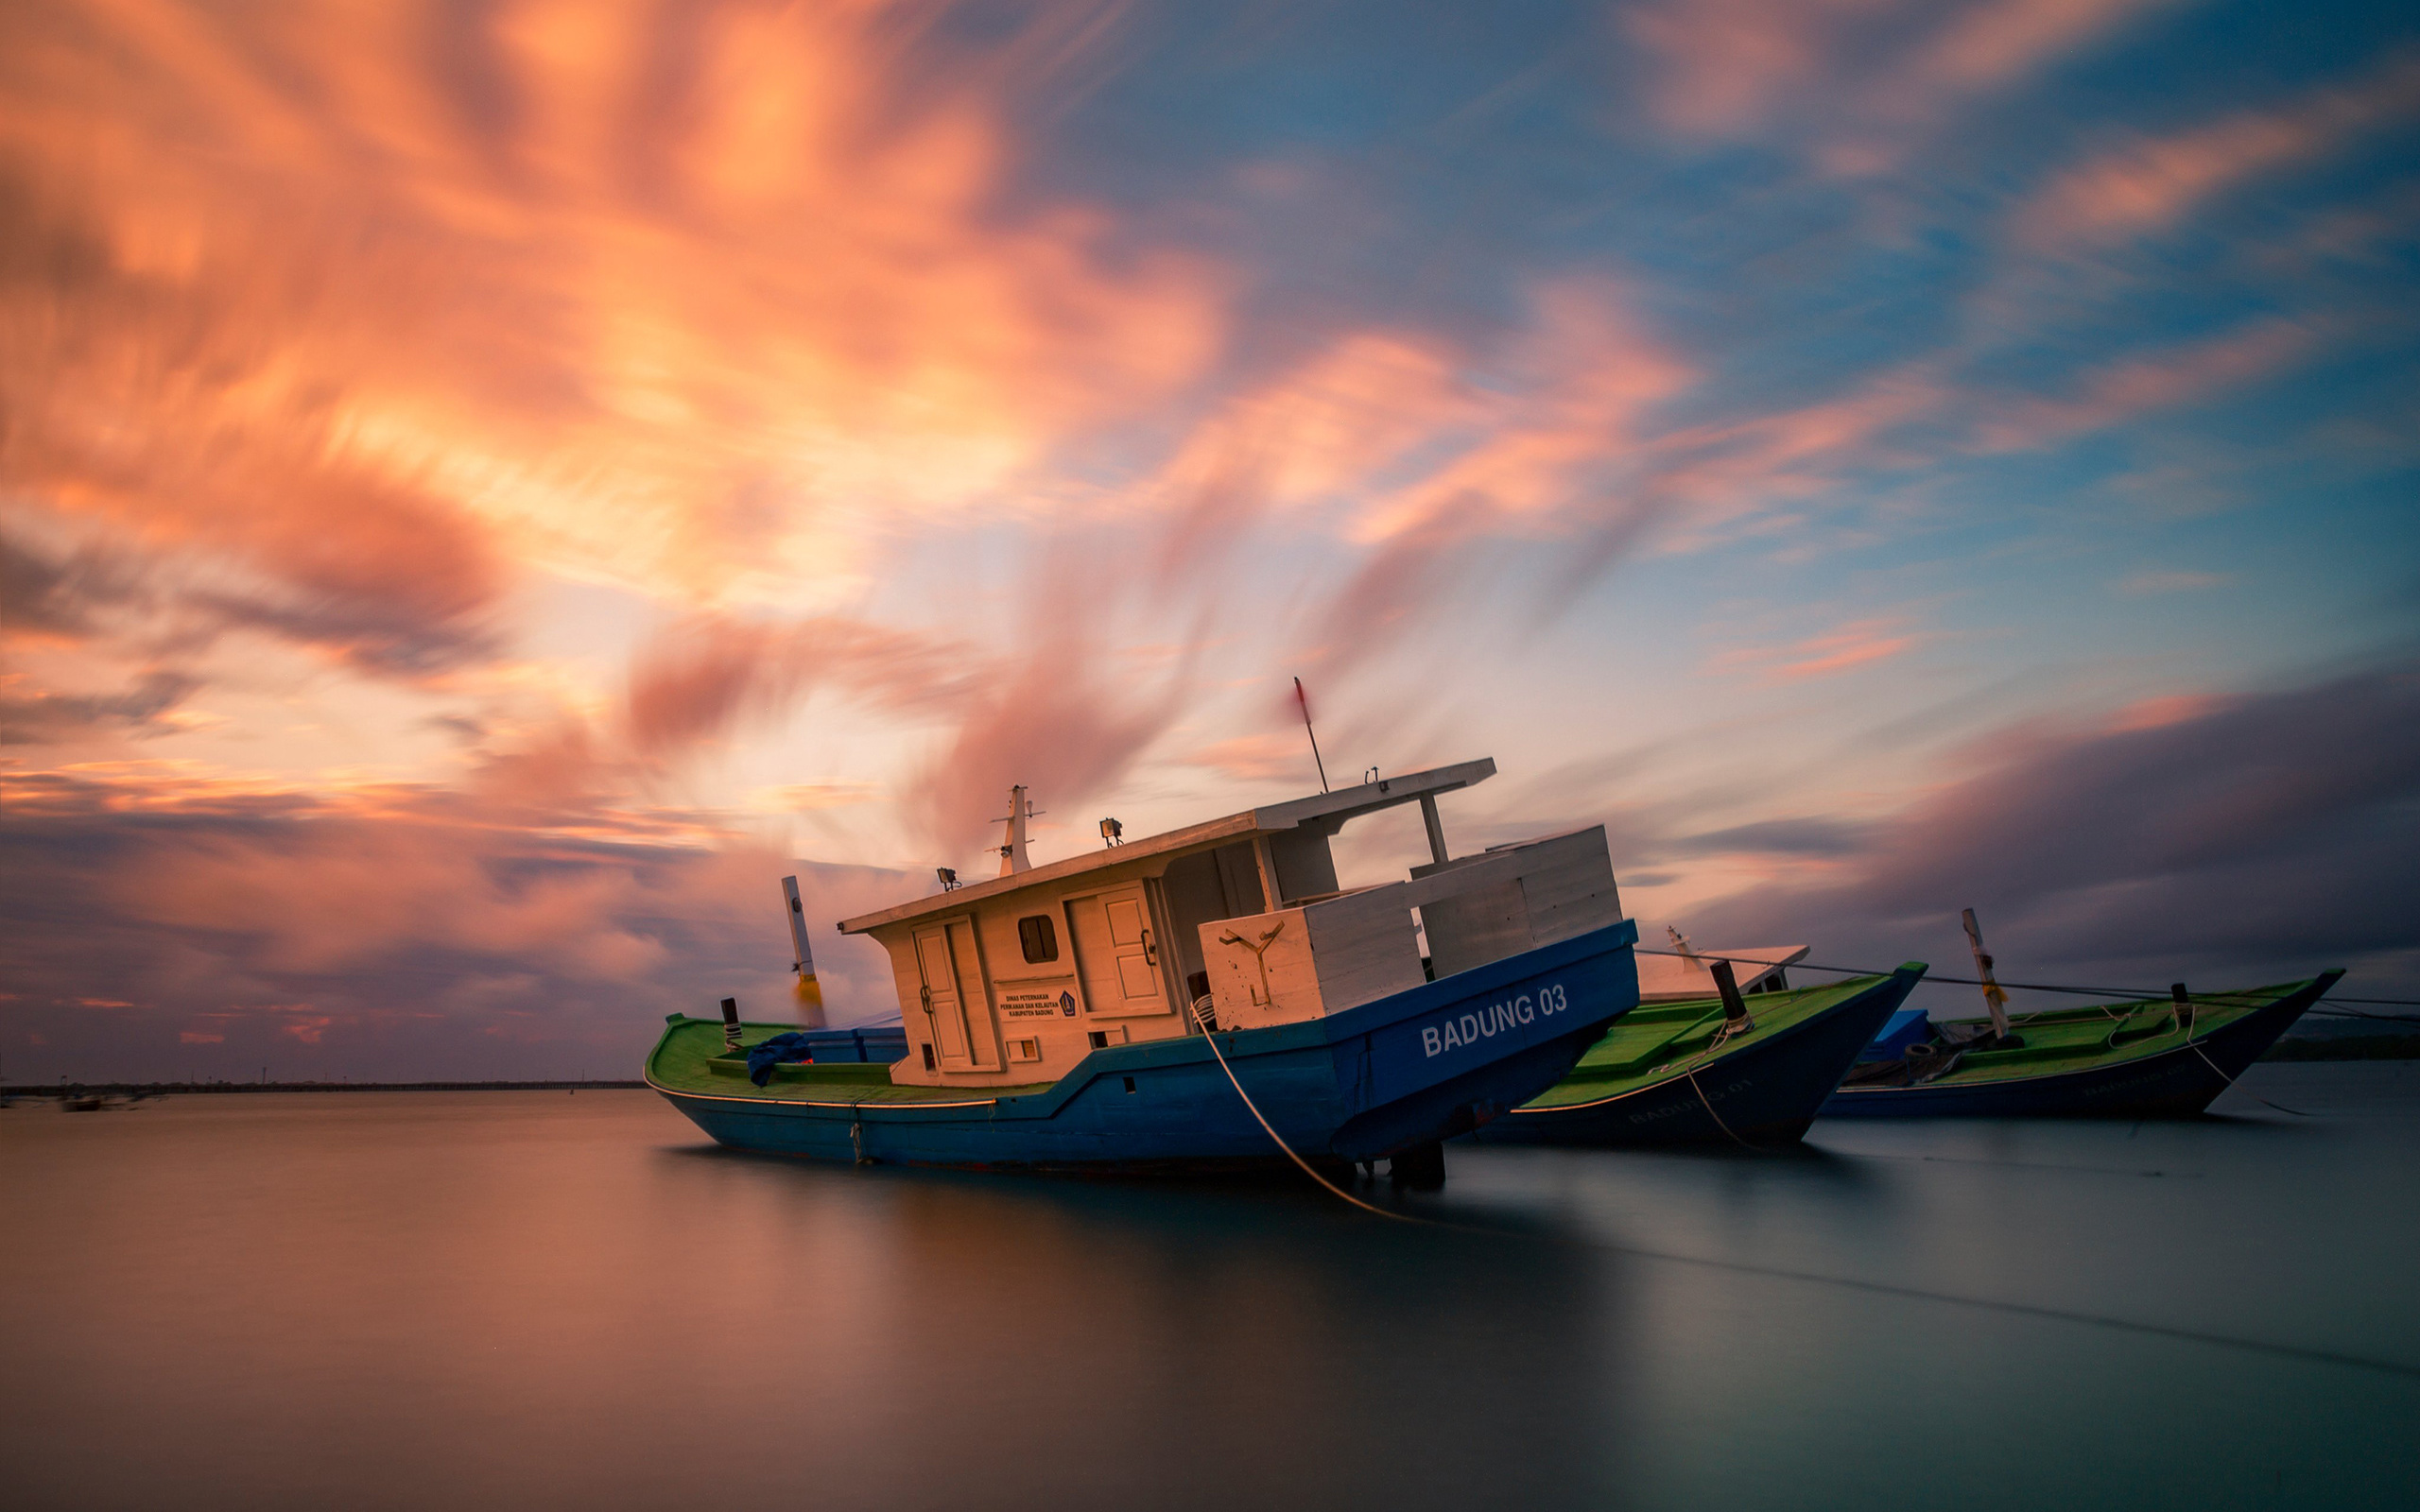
[2173,1083]
[1364,1084]
[1764,1093]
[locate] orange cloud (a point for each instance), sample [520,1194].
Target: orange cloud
[699,302]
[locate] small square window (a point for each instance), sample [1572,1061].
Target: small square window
[1039,937]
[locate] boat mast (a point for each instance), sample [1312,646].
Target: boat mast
[1994,998]
[1013,842]
[810,992]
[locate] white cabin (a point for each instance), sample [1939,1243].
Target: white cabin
[1014,980]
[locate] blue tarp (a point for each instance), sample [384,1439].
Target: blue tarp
[880,1046]
[1906,1027]
[765,1054]
[825,1046]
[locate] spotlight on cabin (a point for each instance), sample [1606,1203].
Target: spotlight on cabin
[948,876]
[1112,831]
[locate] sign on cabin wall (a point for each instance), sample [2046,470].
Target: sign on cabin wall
[1054,999]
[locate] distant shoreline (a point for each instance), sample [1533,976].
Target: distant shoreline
[2351,1047]
[182,1089]
[2348,1047]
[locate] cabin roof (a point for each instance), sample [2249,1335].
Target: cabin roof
[1326,811]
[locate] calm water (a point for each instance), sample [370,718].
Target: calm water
[538,1299]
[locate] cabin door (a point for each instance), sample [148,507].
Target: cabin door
[1117,953]
[950,990]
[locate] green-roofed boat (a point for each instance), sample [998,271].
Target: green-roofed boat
[1206,997]
[1749,1068]
[2162,1058]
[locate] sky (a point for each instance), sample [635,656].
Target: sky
[486,490]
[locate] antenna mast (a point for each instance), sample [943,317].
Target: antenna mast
[1304,700]
[1011,846]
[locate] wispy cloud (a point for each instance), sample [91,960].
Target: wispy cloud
[2171,580]
[1857,643]
[1853,80]
[2122,390]
[2146,184]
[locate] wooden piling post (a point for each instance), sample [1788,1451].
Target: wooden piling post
[1994,998]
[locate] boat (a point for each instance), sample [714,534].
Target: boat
[2164,1057]
[1733,1066]
[1201,998]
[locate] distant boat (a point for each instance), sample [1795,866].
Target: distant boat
[1699,1070]
[2164,1058]
[1176,1001]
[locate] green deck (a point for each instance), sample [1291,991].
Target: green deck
[1658,1042]
[690,1059]
[2065,1040]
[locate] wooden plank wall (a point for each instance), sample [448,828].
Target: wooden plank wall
[1563,885]
[1365,946]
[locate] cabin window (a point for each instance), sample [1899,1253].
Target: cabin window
[928,1056]
[1025,1050]
[1039,937]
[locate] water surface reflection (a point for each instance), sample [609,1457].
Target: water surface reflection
[530,1299]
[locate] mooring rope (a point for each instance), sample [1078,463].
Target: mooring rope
[1211,1035]
[1717,1117]
[2126,993]
[2231,1081]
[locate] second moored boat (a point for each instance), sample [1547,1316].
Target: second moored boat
[1701,1061]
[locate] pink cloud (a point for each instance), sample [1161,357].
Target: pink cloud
[199,1036]
[1263,758]
[2172,709]
[1714,474]
[1860,642]
[2148,184]
[1855,79]
[2123,390]
[1987,45]
[1726,64]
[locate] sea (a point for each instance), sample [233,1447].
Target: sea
[535,1299]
